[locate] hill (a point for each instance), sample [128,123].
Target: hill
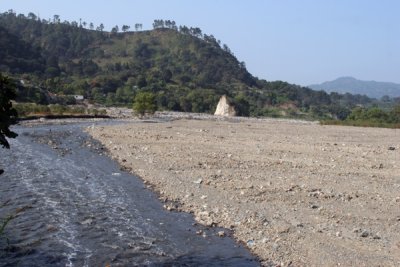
[351,85]
[184,68]
[17,56]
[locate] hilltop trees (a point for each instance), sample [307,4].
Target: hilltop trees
[138,26]
[125,28]
[160,23]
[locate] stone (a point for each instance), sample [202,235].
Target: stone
[51,228]
[365,233]
[225,108]
[250,243]
[221,233]
[199,181]
[87,221]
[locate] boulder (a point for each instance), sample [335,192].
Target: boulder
[225,108]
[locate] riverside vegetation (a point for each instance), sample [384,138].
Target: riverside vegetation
[182,68]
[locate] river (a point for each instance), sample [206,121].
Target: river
[74,206]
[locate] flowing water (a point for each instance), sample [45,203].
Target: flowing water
[73,206]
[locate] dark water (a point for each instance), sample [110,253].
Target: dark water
[77,208]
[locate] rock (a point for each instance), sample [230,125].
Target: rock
[199,181]
[376,236]
[391,148]
[365,233]
[225,108]
[87,221]
[51,228]
[221,233]
[250,243]
[204,217]
[314,206]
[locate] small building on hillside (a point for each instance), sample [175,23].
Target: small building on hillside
[225,107]
[78,97]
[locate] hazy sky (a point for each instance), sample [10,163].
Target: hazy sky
[299,41]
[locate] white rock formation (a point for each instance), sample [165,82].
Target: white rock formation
[225,108]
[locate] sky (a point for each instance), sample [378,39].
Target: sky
[302,42]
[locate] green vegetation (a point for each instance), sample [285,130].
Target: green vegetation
[145,102]
[184,68]
[26,110]
[370,117]
[8,114]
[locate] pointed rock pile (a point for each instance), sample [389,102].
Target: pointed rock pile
[225,108]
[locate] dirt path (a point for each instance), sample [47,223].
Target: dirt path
[296,193]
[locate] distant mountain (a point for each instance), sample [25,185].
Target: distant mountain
[351,85]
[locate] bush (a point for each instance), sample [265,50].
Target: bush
[145,102]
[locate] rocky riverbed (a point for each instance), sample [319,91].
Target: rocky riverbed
[296,193]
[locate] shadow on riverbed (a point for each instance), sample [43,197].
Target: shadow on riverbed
[84,211]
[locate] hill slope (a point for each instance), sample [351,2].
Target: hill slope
[351,85]
[185,69]
[17,56]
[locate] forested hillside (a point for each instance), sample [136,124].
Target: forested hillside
[185,69]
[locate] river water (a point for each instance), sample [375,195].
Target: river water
[75,207]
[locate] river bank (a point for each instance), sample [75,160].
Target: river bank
[296,193]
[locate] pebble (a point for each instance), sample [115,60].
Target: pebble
[221,233]
[199,181]
[365,233]
[250,243]
[51,228]
[87,222]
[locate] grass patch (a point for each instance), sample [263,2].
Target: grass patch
[27,110]
[361,123]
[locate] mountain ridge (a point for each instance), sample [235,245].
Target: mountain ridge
[348,84]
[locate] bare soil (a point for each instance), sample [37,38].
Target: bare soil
[297,193]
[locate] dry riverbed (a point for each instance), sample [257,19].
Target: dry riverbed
[296,193]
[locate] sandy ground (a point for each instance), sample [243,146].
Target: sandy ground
[297,193]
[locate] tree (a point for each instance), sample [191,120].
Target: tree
[144,102]
[100,28]
[56,19]
[8,115]
[115,29]
[138,26]
[125,28]
[158,23]
[32,16]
